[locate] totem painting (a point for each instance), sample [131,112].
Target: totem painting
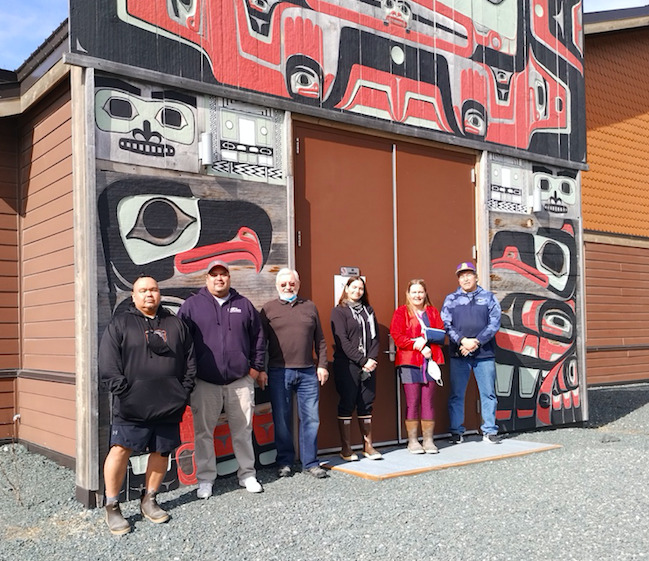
[147,126]
[485,72]
[170,225]
[246,141]
[534,229]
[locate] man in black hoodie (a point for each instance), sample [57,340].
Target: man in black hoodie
[146,360]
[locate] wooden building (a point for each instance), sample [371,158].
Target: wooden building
[396,138]
[615,205]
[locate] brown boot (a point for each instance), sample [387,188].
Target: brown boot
[116,523]
[345,428]
[412,427]
[365,424]
[427,428]
[151,509]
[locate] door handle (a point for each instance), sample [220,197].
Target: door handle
[392,350]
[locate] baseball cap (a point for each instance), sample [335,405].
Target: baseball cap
[465,266]
[218,263]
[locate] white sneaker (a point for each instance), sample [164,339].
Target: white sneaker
[204,490]
[251,484]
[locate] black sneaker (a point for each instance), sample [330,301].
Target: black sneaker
[317,472]
[491,438]
[284,471]
[456,438]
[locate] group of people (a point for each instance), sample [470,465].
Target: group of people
[211,354]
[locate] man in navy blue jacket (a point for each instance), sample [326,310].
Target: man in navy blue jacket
[230,353]
[471,318]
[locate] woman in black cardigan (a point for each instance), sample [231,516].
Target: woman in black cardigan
[356,340]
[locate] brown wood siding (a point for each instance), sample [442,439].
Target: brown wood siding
[617,313]
[47,242]
[7,404]
[47,414]
[47,408]
[9,315]
[617,118]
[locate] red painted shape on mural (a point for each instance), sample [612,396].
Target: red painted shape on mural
[222,440]
[511,260]
[503,415]
[245,246]
[279,49]
[263,428]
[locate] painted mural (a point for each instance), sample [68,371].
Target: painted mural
[170,224]
[500,72]
[142,125]
[534,225]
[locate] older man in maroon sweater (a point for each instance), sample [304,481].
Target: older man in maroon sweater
[293,329]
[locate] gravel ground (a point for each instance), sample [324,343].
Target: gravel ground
[586,501]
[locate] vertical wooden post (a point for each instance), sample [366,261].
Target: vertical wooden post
[85,290]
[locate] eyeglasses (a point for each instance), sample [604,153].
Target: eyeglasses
[285,284]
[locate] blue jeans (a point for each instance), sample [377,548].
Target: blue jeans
[485,375]
[304,382]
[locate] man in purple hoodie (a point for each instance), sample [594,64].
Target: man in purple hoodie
[230,352]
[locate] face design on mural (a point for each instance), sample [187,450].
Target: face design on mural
[508,188]
[246,138]
[133,126]
[248,141]
[536,346]
[558,192]
[396,12]
[537,374]
[536,332]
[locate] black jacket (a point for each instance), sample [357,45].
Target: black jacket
[147,386]
[353,339]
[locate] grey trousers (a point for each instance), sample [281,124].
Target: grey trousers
[207,401]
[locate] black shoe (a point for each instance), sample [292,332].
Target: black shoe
[491,438]
[456,438]
[116,523]
[317,472]
[284,471]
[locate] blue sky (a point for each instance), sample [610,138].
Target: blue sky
[25,25]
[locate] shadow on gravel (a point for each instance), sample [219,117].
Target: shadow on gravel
[185,498]
[610,403]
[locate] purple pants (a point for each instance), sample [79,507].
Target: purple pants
[419,400]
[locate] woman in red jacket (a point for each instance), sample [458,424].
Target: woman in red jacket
[414,353]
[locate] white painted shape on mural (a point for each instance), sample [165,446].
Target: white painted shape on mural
[141,129]
[140,250]
[247,131]
[504,379]
[506,177]
[527,381]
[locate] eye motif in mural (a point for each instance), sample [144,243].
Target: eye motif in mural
[159,226]
[140,125]
[537,381]
[477,69]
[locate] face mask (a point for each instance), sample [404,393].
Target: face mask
[288,297]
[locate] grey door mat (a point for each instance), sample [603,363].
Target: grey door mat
[397,461]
